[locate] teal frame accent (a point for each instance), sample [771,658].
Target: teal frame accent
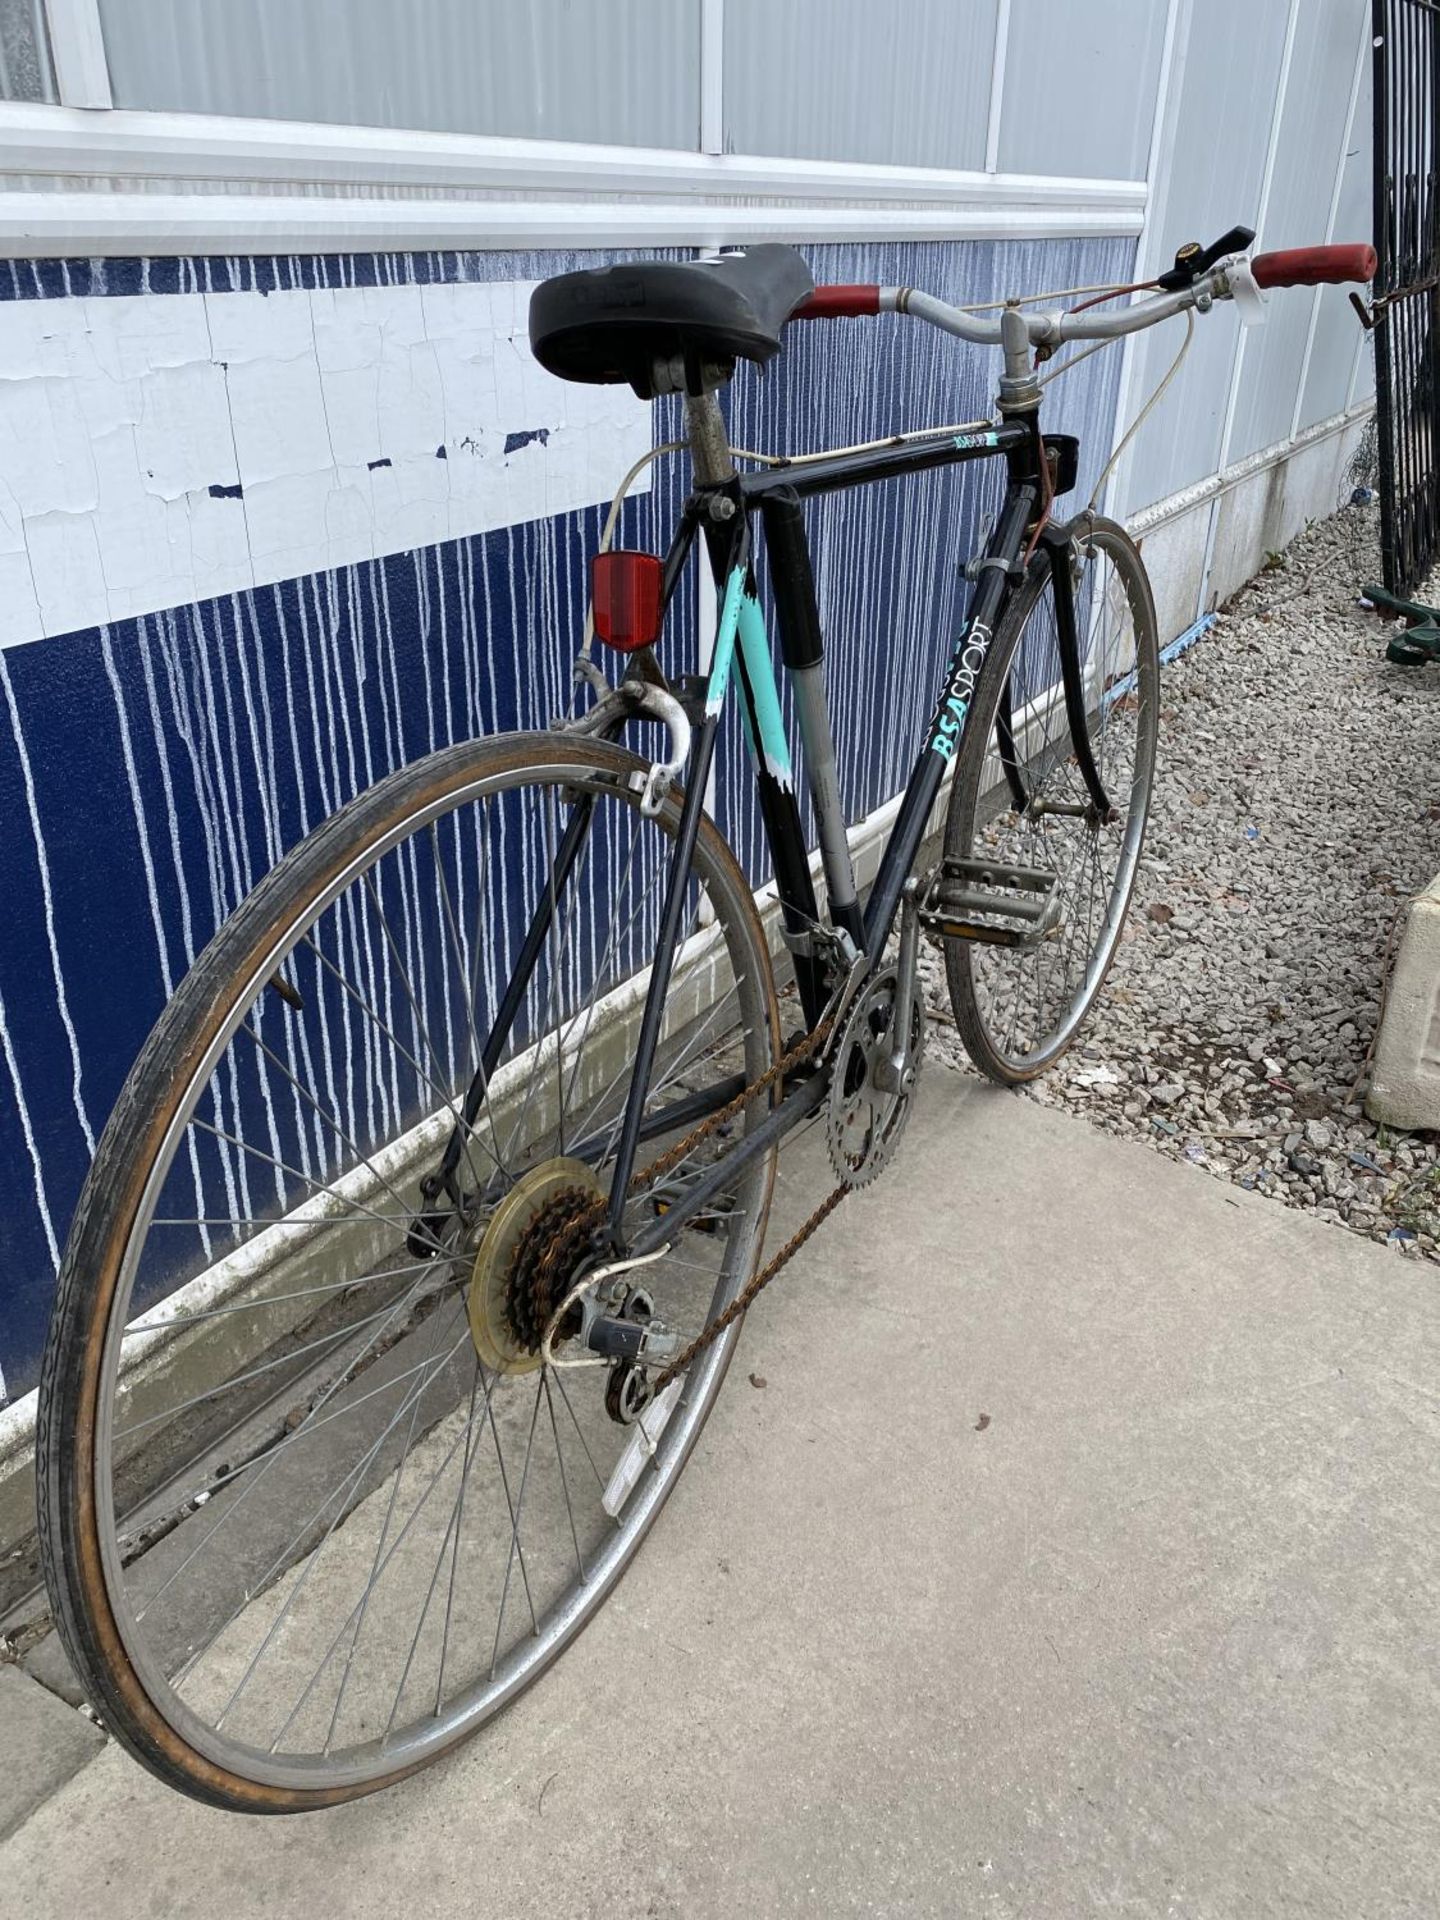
[723,655]
[774,748]
[740,617]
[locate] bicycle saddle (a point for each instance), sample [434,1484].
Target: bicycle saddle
[607,324]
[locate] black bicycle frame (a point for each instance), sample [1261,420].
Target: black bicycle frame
[774,494]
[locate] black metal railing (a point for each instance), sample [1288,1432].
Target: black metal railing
[1407,285]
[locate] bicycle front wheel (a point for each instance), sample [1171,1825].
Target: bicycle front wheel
[313,1503]
[1020,987]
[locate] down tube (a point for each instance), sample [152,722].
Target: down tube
[946,732]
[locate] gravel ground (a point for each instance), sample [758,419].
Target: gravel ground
[1294,814]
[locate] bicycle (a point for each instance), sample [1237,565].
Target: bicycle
[413,1256]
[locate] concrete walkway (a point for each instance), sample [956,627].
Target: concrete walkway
[1078,1555]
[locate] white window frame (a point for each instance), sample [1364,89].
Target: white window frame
[96,179]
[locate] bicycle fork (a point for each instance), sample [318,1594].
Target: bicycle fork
[1057,547]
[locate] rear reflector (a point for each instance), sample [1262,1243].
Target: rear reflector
[625,589]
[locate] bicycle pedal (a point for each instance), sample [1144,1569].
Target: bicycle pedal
[989,902]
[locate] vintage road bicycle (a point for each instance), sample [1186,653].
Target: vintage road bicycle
[415,1251]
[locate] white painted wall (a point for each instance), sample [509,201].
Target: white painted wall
[338,425]
[1233,110]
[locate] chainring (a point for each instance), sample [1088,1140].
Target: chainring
[864,1121]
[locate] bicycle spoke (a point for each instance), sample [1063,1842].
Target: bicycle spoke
[374,898]
[328,1342]
[332,1122]
[564,1482]
[400,1540]
[515,1546]
[455,1555]
[391,1541]
[276,1299]
[271,1159]
[580,1431]
[395,1481]
[233,1506]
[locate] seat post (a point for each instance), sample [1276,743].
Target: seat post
[709,440]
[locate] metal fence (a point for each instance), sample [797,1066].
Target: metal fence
[1407,286]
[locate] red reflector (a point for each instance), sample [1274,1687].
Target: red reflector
[626,590]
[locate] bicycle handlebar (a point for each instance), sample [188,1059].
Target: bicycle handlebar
[838,302]
[1315,266]
[1301,267]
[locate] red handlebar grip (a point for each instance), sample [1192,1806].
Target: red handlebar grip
[834,303]
[1315,266]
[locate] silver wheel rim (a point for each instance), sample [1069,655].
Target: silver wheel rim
[1128,706]
[471,1706]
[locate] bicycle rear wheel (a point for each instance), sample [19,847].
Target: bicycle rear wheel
[313,1506]
[1019,1006]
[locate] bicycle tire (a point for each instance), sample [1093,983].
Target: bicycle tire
[89,1588]
[987,982]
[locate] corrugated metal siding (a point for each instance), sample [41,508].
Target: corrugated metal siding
[1309,152]
[1337,337]
[906,84]
[626,71]
[1080,93]
[1221,129]
[25,70]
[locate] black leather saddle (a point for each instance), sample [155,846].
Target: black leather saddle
[608,324]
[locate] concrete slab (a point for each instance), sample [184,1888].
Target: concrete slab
[45,1744]
[1077,1555]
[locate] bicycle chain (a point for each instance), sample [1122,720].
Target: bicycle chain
[746,1298]
[547,1277]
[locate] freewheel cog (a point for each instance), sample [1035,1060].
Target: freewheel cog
[532,1244]
[864,1120]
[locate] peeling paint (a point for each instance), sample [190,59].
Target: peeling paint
[129,425]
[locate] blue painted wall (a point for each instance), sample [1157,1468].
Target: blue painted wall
[152,769]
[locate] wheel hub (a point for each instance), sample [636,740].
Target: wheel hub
[526,1262]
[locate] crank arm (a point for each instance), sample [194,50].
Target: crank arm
[896,1072]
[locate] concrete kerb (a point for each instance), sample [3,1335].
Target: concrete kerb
[1405,1078]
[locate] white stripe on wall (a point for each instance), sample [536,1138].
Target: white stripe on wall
[159,451]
